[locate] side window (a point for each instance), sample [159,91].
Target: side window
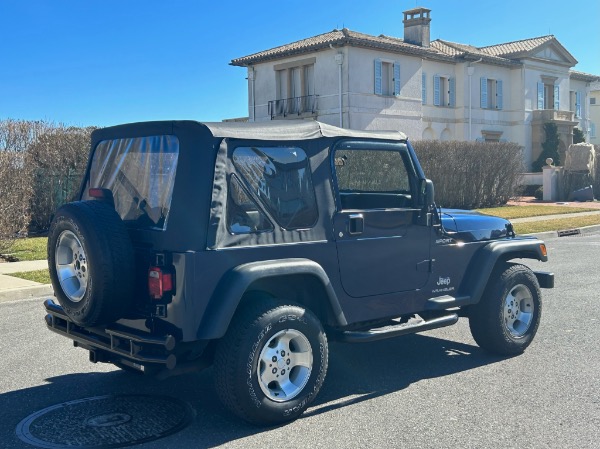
[281,180]
[243,215]
[372,179]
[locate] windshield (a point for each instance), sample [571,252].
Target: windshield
[140,172]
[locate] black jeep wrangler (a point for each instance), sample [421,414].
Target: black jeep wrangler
[248,246]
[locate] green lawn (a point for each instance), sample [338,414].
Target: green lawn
[33,248]
[558,224]
[41,276]
[512,212]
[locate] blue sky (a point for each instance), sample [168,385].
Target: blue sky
[104,62]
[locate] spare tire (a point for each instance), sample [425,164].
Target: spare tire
[91,262]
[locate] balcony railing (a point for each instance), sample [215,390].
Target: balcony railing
[293,106]
[553,115]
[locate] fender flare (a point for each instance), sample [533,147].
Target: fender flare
[482,265]
[235,283]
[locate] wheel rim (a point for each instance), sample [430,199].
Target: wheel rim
[518,310]
[284,365]
[71,266]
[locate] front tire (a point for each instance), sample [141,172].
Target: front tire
[507,317]
[271,363]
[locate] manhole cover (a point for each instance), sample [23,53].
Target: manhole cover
[105,422]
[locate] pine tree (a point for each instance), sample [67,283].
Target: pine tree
[550,148]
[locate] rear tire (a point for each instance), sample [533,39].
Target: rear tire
[91,262]
[507,317]
[271,363]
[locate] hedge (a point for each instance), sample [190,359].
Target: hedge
[470,175]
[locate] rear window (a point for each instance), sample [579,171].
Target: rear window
[140,172]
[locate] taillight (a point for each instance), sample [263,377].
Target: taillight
[159,282]
[102,195]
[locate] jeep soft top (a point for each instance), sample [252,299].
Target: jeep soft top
[190,239]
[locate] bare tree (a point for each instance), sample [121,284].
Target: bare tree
[15,178]
[57,159]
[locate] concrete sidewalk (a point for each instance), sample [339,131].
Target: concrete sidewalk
[12,288]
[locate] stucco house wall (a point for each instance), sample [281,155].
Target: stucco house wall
[344,79]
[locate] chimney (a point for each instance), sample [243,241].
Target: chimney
[416,26]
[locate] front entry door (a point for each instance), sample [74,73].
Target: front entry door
[381,247]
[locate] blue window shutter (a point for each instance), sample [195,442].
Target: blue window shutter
[577,104]
[423,88]
[540,95]
[436,90]
[451,92]
[499,101]
[484,93]
[556,98]
[378,90]
[396,78]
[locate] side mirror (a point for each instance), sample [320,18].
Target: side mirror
[426,202]
[427,194]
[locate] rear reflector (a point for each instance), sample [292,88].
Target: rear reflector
[159,282]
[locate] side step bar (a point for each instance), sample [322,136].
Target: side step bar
[106,344]
[447,302]
[396,330]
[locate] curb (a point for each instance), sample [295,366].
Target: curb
[26,292]
[554,234]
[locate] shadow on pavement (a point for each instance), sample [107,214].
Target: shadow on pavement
[364,370]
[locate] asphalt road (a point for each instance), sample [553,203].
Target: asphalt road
[433,390]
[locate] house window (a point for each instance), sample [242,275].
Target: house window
[575,103]
[548,94]
[295,81]
[443,91]
[592,100]
[294,88]
[387,77]
[592,130]
[491,93]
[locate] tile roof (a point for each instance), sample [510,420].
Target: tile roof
[517,48]
[506,54]
[582,76]
[469,52]
[339,37]
[302,46]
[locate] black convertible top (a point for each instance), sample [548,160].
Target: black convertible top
[271,130]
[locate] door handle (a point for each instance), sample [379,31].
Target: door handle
[356,224]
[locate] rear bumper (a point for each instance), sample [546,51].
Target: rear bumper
[114,344]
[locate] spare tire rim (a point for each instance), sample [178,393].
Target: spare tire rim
[518,310]
[284,365]
[71,266]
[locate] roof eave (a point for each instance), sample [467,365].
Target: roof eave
[581,76]
[347,41]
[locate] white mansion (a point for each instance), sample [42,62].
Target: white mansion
[429,90]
